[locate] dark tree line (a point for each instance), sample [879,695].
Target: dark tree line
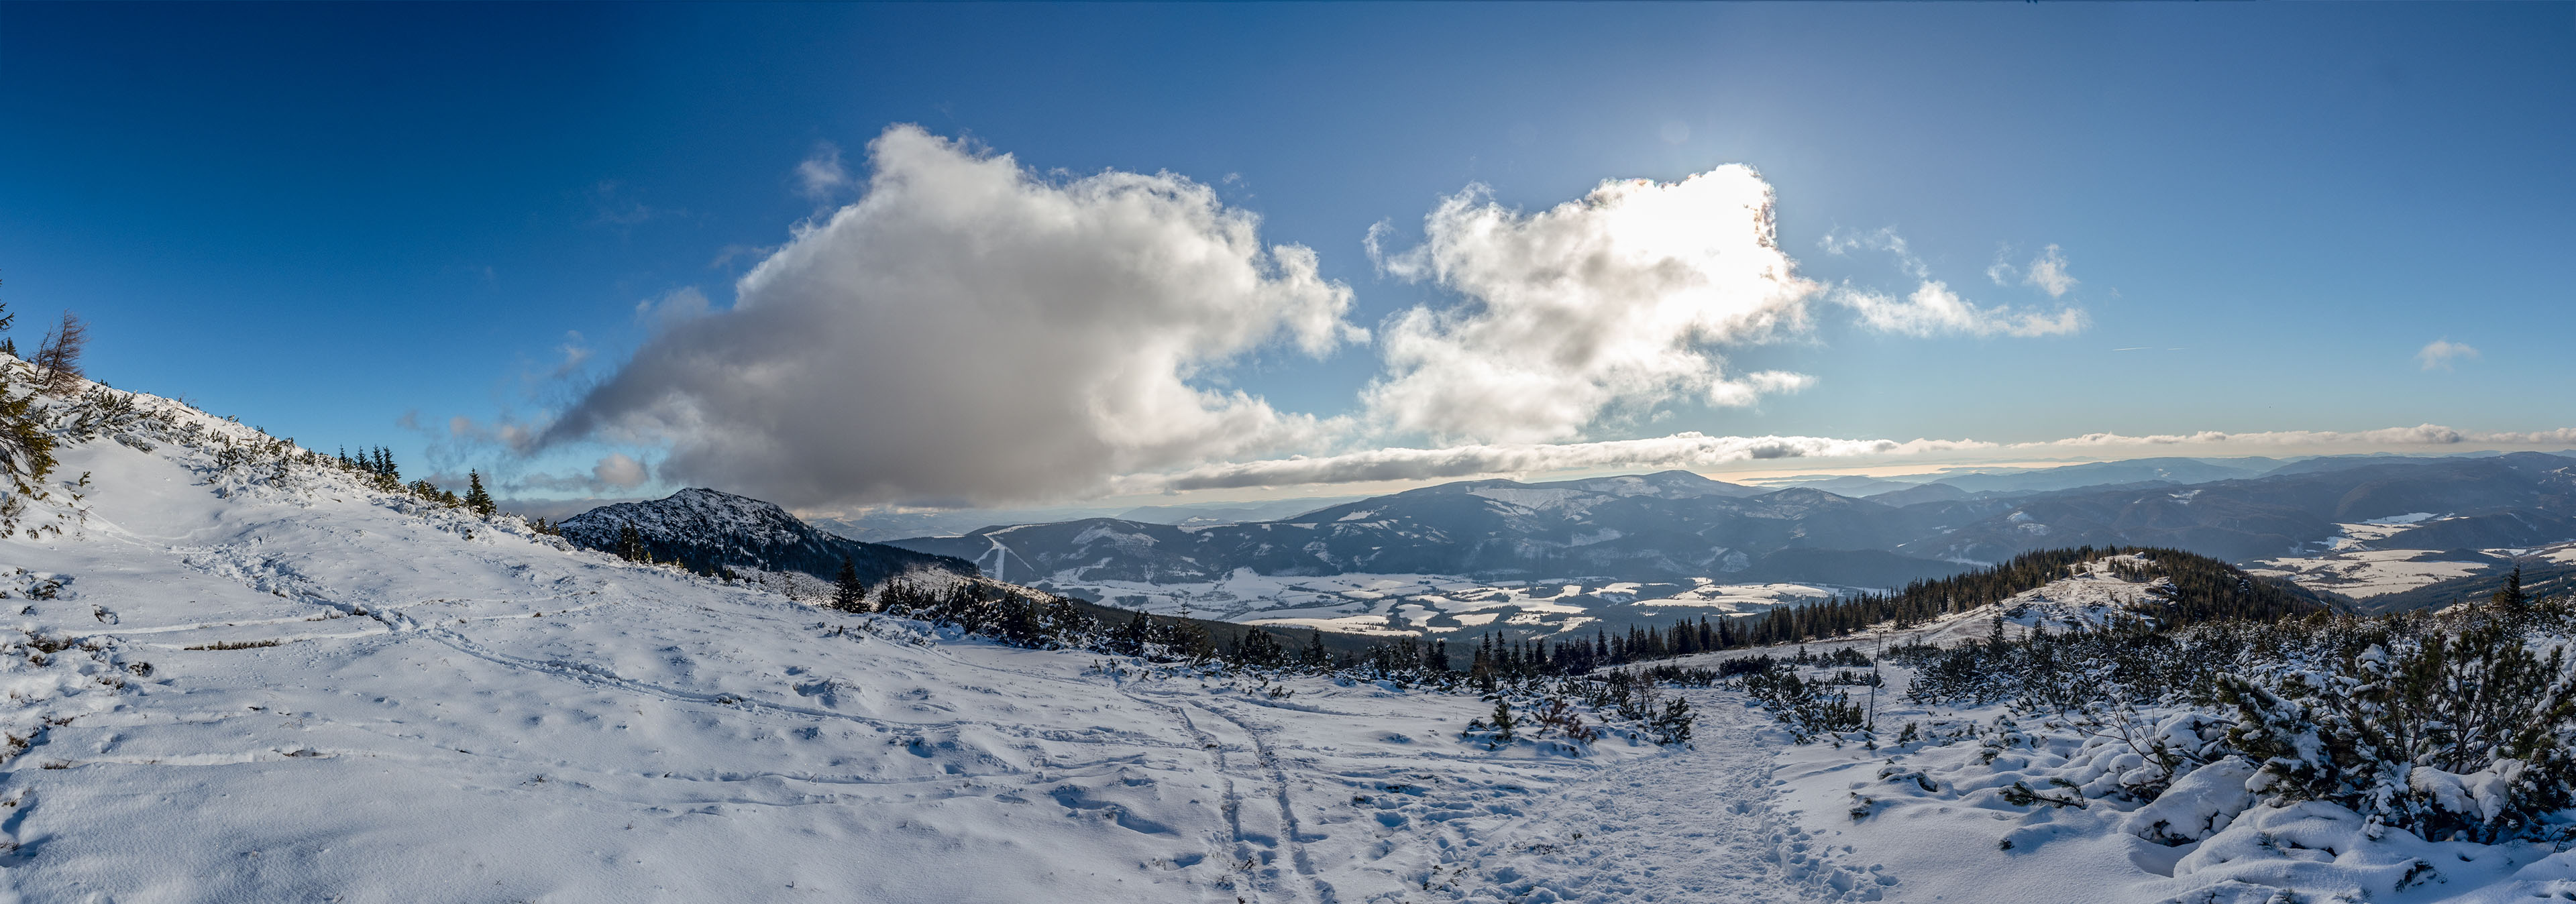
[2203,590]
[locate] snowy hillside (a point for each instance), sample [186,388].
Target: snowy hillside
[241,672]
[236,679]
[2082,765]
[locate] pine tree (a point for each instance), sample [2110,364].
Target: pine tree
[1673,725]
[475,497]
[630,543]
[25,445]
[1503,724]
[2510,596]
[848,594]
[1129,638]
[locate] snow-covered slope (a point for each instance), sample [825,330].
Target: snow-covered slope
[236,680]
[236,673]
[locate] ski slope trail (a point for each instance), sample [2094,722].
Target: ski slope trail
[1697,824]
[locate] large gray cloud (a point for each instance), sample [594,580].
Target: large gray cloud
[969,331]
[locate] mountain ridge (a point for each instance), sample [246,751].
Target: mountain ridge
[707,530]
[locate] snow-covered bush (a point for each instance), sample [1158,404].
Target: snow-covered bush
[1809,707]
[2444,725]
[2440,725]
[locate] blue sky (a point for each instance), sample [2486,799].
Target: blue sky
[354,224]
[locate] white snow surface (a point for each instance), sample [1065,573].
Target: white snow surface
[242,688]
[2365,573]
[1434,604]
[1929,816]
[231,686]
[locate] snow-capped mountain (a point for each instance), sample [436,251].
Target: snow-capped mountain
[1679,530]
[705,529]
[2520,499]
[1656,527]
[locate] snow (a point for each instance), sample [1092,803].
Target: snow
[232,686]
[236,689]
[2366,573]
[1709,834]
[1932,816]
[1568,501]
[1424,604]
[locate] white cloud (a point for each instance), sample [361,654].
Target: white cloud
[575,354]
[2442,354]
[2390,437]
[820,174]
[1934,310]
[1838,242]
[1680,450]
[1613,301]
[1694,450]
[674,308]
[506,433]
[2048,272]
[1750,388]
[970,331]
[619,470]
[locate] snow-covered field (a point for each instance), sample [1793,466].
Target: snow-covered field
[1432,605]
[2365,573]
[2351,568]
[229,681]
[233,685]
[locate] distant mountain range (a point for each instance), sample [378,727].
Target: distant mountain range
[1677,525]
[1659,527]
[2339,526]
[706,529]
[880,526]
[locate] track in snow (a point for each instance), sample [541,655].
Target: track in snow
[1694,825]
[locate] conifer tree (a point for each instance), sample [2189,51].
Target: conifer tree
[475,497]
[848,594]
[24,444]
[1130,638]
[1503,723]
[2510,596]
